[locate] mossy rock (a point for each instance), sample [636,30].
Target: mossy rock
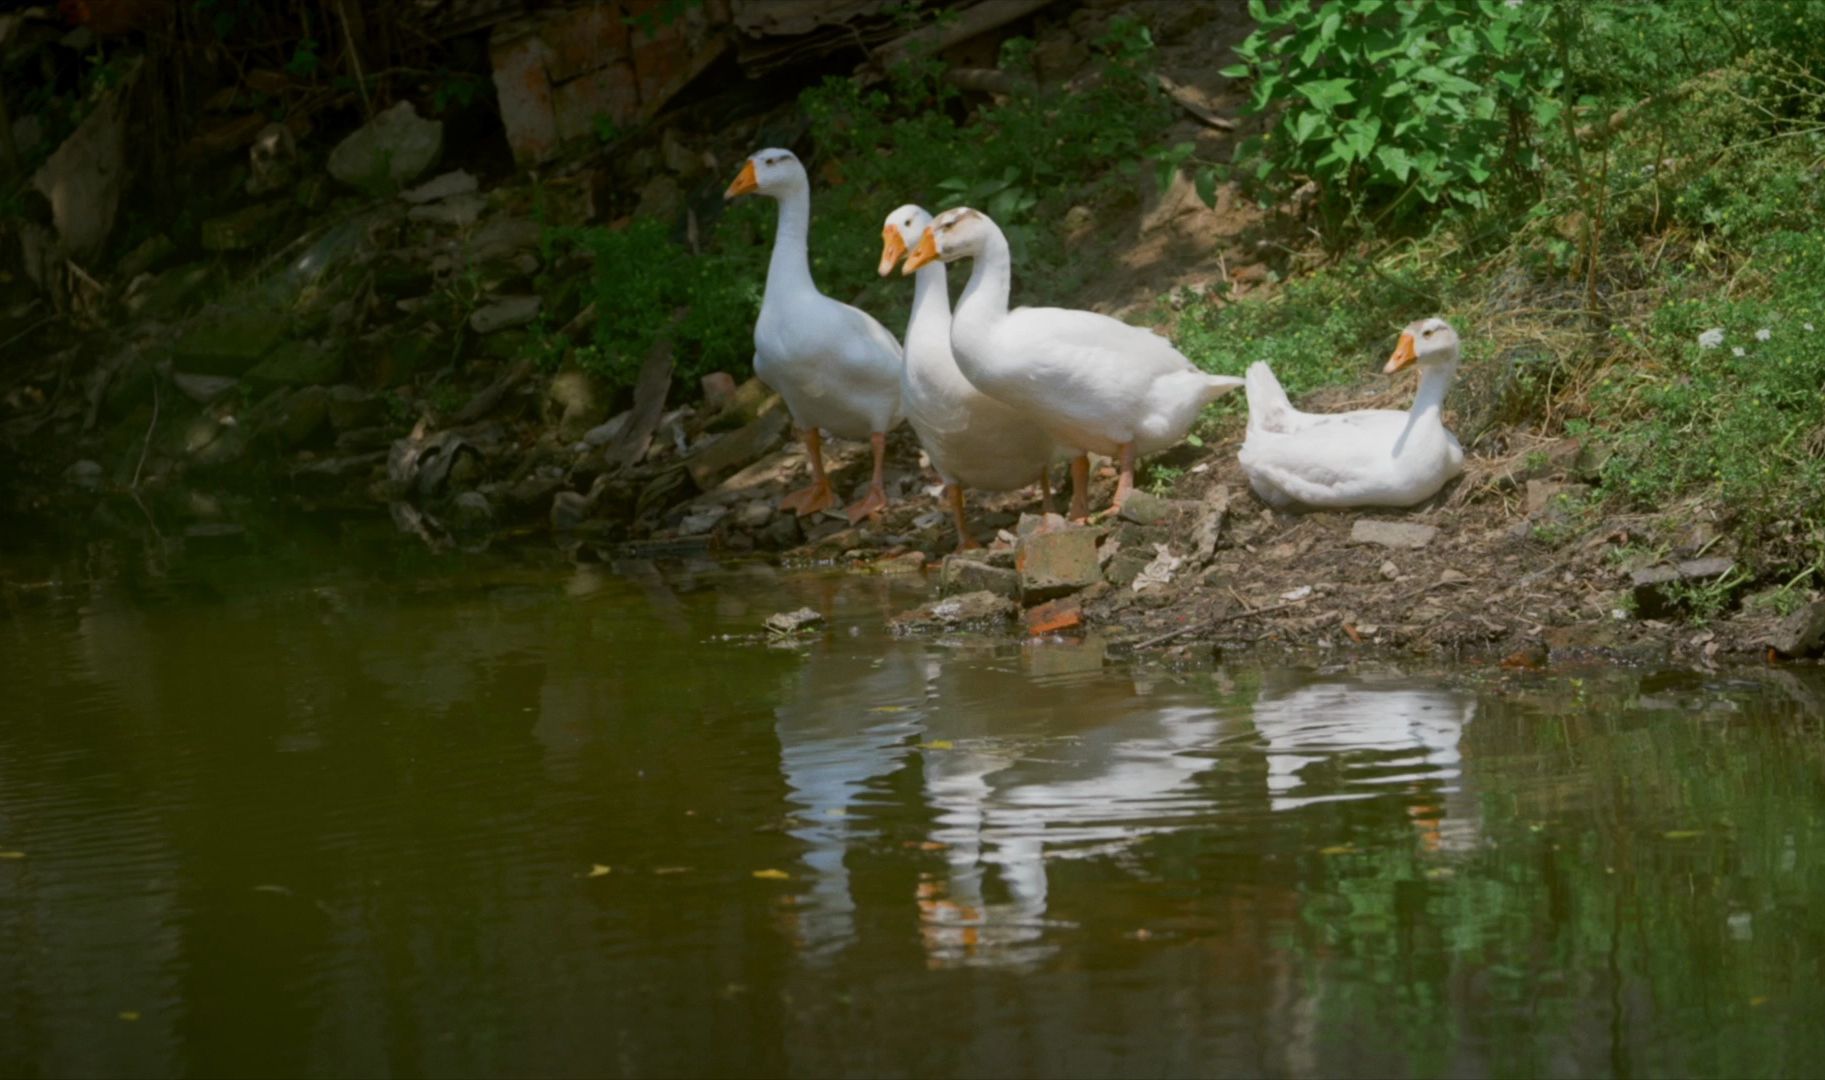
[298,363]
[229,344]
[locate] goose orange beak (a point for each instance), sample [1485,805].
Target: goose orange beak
[1403,355]
[924,253]
[893,248]
[744,184]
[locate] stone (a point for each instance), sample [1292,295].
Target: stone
[351,407]
[297,363]
[711,464]
[747,403]
[976,610]
[389,152]
[455,212]
[1029,524]
[85,177]
[1143,508]
[1125,566]
[754,514]
[678,157]
[907,562]
[457,182]
[570,510]
[576,403]
[203,389]
[1542,495]
[245,229]
[1055,563]
[84,474]
[1054,616]
[471,510]
[522,91]
[661,198]
[1801,632]
[228,345]
[718,389]
[1393,534]
[163,295]
[1653,587]
[297,416]
[963,573]
[1207,529]
[401,357]
[701,520]
[1389,571]
[506,312]
[792,622]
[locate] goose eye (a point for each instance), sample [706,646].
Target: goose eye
[1427,332]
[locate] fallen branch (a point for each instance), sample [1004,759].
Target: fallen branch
[1186,98]
[939,36]
[484,402]
[1233,616]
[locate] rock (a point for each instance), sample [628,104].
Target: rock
[1058,56]
[351,407]
[84,474]
[503,313]
[710,465]
[570,510]
[1394,534]
[456,212]
[1800,633]
[678,157]
[1057,562]
[1600,642]
[167,294]
[245,229]
[964,573]
[399,358]
[702,520]
[1053,616]
[578,403]
[1029,524]
[147,255]
[1542,495]
[792,622]
[982,610]
[296,417]
[458,182]
[749,402]
[86,175]
[297,363]
[203,389]
[1389,571]
[660,198]
[754,514]
[1145,509]
[471,510]
[1125,566]
[1655,595]
[1207,529]
[389,152]
[228,345]
[907,562]
[1158,573]
[718,389]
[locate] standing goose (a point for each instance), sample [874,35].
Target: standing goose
[1095,383]
[836,367]
[1370,457]
[972,439]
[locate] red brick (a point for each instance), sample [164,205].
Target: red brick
[583,40]
[1055,616]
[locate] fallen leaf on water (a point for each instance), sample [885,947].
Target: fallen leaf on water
[1682,834]
[128,1015]
[12,854]
[671,869]
[925,845]
[938,744]
[597,870]
[888,708]
[772,875]
[1337,849]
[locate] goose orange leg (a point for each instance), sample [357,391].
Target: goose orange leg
[875,501]
[809,500]
[1045,490]
[954,493]
[1080,488]
[1125,483]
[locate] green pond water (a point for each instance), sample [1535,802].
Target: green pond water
[516,817]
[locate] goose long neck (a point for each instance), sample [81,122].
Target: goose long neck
[931,307]
[986,295]
[1434,381]
[790,267]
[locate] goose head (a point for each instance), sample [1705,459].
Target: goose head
[900,233]
[769,172]
[955,234]
[1428,342]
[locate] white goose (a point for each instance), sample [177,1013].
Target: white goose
[1370,457]
[1095,383]
[836,367]
[972,439]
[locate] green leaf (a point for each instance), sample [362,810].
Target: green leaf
[1206,182]
[1306,125]
[1360,134]
[1395,160]
[1235,71]
[1327,94]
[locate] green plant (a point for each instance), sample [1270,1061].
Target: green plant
[1382,101]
